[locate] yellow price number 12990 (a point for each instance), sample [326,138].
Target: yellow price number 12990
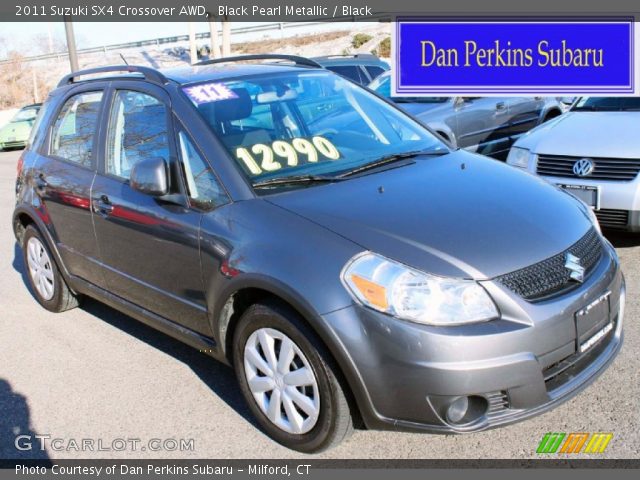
[286,150]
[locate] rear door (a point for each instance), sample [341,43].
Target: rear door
[150,247]
[64,175]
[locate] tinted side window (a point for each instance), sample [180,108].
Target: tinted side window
[374,71]
[350,71]
[74,128]
[137,131]
[205,191]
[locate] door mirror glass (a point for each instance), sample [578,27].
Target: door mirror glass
[150,176]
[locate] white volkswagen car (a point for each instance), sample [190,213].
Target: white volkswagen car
[592,151]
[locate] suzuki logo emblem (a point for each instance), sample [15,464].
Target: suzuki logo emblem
[576,270]
[583,167]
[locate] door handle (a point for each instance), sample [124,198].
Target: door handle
[103,206]
[501,106]
[41,183]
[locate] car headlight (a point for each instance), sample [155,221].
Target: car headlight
[396,289]
[519,157]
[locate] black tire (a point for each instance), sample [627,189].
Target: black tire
[335,423]
[62,299]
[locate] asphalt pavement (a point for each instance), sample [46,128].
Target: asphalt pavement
[95,374]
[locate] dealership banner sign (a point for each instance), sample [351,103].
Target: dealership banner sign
[452,56]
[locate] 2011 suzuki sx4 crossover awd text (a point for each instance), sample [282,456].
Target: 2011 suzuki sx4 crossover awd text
[348,264]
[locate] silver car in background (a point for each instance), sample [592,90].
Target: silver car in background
[485,125]
[592,151]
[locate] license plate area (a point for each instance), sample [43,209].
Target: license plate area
[587,194]
[592,321]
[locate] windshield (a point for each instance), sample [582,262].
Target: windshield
[607,104]
[25,115]
[382,86]
[305,123]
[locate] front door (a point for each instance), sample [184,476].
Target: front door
[150,247]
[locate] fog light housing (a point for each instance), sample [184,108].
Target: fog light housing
[465,410]
[457,410]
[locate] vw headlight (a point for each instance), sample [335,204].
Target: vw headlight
[396,289]
[519,157]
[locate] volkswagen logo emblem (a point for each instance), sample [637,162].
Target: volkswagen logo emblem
[583,167]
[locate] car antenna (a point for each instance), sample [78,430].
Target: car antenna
[124,59]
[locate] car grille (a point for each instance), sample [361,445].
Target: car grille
[620,169]
[550,276]
[613,218]
[498,404]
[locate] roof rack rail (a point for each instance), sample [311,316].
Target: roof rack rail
[264,56]
[348,55]
[150,74]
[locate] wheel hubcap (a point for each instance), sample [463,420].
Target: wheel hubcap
[40,268]
[282,381]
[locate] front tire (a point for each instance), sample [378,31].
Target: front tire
[45,280]
[286,378]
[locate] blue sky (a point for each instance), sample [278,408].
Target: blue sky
[20,35]
[93,34]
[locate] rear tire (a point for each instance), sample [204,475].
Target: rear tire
[308,411]
[45,280]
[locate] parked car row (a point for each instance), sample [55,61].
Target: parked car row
[347,262]
[485,125]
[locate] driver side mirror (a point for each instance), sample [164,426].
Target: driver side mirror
[459,101]
[150,176]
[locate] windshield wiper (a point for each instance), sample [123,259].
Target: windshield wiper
[296,179]
[389,159]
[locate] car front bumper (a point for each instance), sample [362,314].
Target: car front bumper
[619,202]
[13,144]
[518,366]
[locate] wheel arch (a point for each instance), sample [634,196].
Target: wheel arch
[551,113]
[24,216]
[259,289]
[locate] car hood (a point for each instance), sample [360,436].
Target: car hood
[587,134]
[459,215]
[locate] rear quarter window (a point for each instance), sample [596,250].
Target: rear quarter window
[74,128]
[374,71]
[352,72]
